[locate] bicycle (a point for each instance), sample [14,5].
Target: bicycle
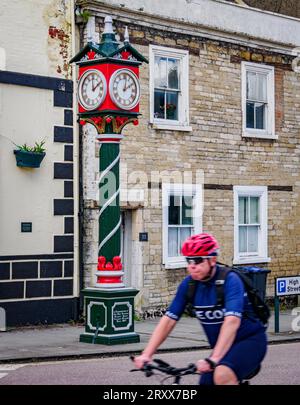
[178,373]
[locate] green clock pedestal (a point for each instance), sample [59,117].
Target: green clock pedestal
[109,316]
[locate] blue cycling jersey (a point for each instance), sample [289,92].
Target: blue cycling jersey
[210,315]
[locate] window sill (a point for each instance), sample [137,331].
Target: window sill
[175,265]
[170,127]
[251,260]
[259,135]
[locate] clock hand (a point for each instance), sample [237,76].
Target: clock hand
[94,88]
[125,88]
[128,87]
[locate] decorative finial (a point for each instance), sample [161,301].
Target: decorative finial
[108,44]
[108,29]
[91,30]
[126,35]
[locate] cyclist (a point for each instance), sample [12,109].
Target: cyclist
[237,337]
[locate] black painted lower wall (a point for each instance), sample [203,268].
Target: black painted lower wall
[41,311]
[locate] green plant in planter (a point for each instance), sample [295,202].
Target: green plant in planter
[37,148]
[30,156]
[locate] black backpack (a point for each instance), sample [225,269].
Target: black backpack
[260,308]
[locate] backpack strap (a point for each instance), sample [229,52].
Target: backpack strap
[191,290]
[219,283]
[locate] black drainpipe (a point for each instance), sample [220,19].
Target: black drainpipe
[81,203]
[81,225]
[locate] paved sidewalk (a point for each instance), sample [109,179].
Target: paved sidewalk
[62,341]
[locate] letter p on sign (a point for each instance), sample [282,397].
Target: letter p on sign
[281,286]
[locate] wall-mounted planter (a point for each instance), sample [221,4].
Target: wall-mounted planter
[28,159]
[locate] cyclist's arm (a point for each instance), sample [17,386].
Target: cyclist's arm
[161,332]
[226,337]
[165,325]
[159,335]
[234,303]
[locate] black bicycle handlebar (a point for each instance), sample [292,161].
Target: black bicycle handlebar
[166,368]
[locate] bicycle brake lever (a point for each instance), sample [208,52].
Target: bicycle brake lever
[193,366]
[148,372]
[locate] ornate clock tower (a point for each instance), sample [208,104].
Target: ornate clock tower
[108,98]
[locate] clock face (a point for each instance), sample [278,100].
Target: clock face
[91,89]
[124,89]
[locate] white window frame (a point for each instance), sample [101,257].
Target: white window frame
[269,132]
[180,189]
[262,255]
[182,124]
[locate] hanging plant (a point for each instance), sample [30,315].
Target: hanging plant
[27,156]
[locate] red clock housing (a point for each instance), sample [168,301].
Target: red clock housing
[108,69]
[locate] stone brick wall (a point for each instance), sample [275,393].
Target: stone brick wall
[216,146]
[288,7]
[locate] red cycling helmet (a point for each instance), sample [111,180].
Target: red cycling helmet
[202,244]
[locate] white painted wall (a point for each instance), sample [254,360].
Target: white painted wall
[28,115]
[219,15]
[24,36]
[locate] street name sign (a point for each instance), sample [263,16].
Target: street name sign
[288,285]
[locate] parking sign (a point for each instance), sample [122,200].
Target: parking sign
[281,286]
[288,285]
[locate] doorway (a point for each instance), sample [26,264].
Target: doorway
[126,246]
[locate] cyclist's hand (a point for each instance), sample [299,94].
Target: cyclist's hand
[141,360]
[203,366]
